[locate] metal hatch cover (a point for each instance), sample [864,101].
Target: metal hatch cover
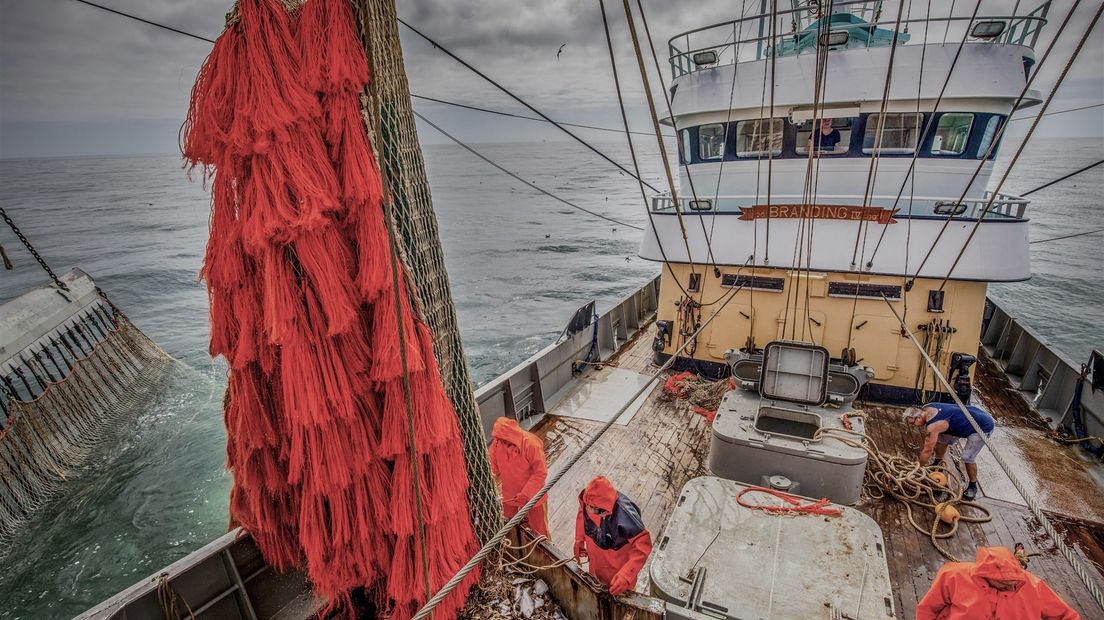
[718,560]
[796,372]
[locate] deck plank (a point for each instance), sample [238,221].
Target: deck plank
[665,445]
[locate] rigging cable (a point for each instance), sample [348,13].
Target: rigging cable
[770,152]
[1032,505]
[659,137]
[872,172]
[544,116]
[1019,151]
[413,95]
[1084,107]
[462,105]
[807,196]
[632,151]
[1063,178]
[993,145]
[911,172]
[1080,234]
[522,116]
[518,178]
[523,512]
[145,21]
[670,112]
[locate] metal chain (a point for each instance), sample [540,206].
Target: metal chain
[34,252]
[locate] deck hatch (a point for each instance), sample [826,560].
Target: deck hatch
[796,424]
[855,289]
[794,371]
[762,283]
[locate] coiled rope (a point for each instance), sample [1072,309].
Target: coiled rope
[1078,567]
[913,485]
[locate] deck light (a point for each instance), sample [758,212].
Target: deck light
[705,58]
[835,38]
[987,30]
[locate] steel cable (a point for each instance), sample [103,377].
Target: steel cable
[1079,568]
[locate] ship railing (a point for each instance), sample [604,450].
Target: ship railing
[748,38]
[1004,206]
[534,387]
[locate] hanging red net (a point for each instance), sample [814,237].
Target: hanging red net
[336,412]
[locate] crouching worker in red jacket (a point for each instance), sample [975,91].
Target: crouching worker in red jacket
[610,533]
[517,462]
[995,586]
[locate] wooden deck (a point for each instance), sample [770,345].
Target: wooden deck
[665,444]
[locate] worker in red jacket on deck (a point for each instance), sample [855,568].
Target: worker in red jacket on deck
[517,462]
[611,535]
[994,586]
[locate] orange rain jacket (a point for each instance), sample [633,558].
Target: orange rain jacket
[618,544]
[517,462]
[961,592]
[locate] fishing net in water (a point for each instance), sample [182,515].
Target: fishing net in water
[65,392]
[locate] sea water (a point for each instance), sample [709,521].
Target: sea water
[519,264]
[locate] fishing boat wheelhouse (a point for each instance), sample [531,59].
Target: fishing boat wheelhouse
[818,233]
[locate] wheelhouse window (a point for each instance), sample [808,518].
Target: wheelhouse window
[684,146]
[828,136]
[952,132]
[759,137]
[991,128]
[711,142]
[900,134]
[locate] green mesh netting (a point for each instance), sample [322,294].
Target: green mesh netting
[390,119]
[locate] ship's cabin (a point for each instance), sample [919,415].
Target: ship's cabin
[755,100]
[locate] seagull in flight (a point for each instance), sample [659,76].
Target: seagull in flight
[560,51]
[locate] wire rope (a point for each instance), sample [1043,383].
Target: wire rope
[518,178]
[523,102]
[522,513]
[1019,151]
[993,144]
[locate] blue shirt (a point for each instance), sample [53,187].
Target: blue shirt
[959,426]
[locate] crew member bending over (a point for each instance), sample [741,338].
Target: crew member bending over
[517,462]
[610,533]
[945,425]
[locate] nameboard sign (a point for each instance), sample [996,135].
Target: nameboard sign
[823,212]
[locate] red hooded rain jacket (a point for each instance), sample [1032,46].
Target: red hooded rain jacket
[961,591]
[517,462]
[617,543]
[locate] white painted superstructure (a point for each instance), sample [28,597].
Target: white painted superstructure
[835,167]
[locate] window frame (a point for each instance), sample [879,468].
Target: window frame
[966,142]
[781,122]
[983,142]
[870,122]
[685,144]
[724,143]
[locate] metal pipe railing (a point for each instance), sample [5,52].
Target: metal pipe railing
[1029,27]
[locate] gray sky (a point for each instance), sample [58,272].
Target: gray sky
[75,80]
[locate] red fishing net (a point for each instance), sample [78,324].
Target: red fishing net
[336,411]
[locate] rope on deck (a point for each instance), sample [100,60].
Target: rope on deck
[1078,567]
[494,541]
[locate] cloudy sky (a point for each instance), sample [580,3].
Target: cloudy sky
[77,80]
